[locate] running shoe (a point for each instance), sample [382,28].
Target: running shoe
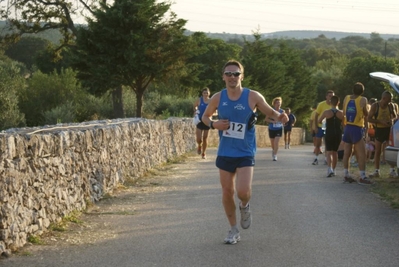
[330,173]
[246,217]
[274,157]
[315,162]
[375,174]
[203,156]
[393,174]
[199,150]
[365,181]
[289,147]
[233,236]
[349,179]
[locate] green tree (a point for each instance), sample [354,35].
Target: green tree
[131,43]
[208,56]
[48,91]
[299,84]
[11,81]
[327,75]
[26,50]
[279,71]
[263,71]
[36,16]
[358,70]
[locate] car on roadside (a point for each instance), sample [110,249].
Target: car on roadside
[392,148]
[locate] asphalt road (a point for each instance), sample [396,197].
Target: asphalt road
[300,218]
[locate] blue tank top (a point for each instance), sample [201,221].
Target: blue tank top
[276,125]
[202,106]
[237,141]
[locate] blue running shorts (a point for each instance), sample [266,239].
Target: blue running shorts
[352,134]
[320,132]
[230,164]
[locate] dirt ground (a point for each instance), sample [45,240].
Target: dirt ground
[95,223]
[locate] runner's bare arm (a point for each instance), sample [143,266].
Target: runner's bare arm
[210,110]
[364,102]
[323,115]
[196,104]
[371,114]
[259,102]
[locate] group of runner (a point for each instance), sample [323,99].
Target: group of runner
[237,108]
[350,127]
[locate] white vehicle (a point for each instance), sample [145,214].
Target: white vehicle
[392,149]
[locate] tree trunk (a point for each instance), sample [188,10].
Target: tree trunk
[117,102]
[139,103]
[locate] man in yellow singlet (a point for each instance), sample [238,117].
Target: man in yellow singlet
[320,131]
[382,114]
[355,117]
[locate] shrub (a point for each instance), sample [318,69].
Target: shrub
[64,113]
[11,81]
[48,91]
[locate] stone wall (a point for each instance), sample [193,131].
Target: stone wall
[48,172]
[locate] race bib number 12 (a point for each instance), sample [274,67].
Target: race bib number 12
[235,130]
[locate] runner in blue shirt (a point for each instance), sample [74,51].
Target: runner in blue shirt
[202,130]
[275,127]
[236,107]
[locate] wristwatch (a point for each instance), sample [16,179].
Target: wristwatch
[211,125]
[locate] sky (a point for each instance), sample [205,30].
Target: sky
[248,16]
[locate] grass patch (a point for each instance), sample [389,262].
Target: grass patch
[36,240]
[62,226]
[388,189]
[385,187]
[73,217]
[124,213]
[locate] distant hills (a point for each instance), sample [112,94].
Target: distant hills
[54,35]
[328,34]
[302,35]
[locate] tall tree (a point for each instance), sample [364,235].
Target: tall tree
[26,50]
[279,71]
[208,55]
[131,43]
[358,70]
[34,16]
[11,82]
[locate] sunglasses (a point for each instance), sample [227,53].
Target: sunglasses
[230,73]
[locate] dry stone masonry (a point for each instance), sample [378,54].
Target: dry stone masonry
[46,173]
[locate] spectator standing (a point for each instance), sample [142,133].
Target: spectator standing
[355,120]
[313,127]
[321,107]
[333,136]
[382,114]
